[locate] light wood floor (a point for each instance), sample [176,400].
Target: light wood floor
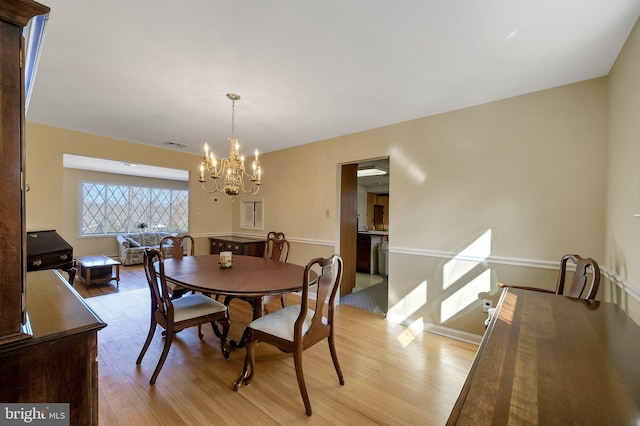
[391,376]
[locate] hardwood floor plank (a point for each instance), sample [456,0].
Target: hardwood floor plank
[385,381]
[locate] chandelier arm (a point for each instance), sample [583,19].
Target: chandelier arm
[255,187]
[213,190]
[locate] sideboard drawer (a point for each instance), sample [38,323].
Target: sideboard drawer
[234,248]
[54,261]
[237,245]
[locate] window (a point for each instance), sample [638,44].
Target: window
[113,209]
[251,214]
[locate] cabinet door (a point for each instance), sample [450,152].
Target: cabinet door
[254,249]
[11,275]
[14,15]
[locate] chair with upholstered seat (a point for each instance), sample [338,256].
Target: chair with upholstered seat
[298,327]
[175,315]
[277,248]
[179,246]
[579,281]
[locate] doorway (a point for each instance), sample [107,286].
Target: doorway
[364,241]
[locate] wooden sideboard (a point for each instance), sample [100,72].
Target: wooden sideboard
[58,364]
[14,16]
[549,359]
[237,245]
[48,336]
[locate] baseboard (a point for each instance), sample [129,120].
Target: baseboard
[453,333]
[437,329]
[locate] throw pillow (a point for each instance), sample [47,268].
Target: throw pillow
[133,242]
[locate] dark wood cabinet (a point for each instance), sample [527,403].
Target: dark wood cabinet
[377,211]
[14,16]
[48,336]
[237,245]
[58,364]
[48,250]
[367,253]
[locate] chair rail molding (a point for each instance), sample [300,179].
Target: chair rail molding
[624,285]
[511,261]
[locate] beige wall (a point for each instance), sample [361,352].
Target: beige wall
[622,228]
[530,172]
[52,201]
[508,187]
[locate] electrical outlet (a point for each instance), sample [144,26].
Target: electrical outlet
[486,305]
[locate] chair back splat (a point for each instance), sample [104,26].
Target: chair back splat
[277,247]
[298,327]
[179,246]
[580,279]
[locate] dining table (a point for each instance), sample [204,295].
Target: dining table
[249,278]
[550,359]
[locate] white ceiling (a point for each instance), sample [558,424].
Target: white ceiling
[152,71]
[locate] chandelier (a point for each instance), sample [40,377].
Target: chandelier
[229,175]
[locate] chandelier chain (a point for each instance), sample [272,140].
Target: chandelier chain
[233,118]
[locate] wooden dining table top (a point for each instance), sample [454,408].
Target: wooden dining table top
[248,277]
[548,359]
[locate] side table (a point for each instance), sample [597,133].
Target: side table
[98,269]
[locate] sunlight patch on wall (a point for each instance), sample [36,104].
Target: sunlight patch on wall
[408,165]
[411,303]
[465,296]
[409,334]
[474,254]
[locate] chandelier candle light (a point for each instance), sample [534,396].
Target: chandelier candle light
[229,175]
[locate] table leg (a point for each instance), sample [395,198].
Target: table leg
[117,275]
[72,274]
[257,305]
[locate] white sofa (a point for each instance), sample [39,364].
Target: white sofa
[131,246]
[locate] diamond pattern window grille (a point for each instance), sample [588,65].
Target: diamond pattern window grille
[117,208]
[93,211]
[180,212]
[113,209]
[139,207]
[161,215]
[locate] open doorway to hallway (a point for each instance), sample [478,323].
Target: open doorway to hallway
[365,193]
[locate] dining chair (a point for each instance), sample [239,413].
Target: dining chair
[275,234]
[177,246]
[174,315]
[298,327]
[277,248]
[578,282]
